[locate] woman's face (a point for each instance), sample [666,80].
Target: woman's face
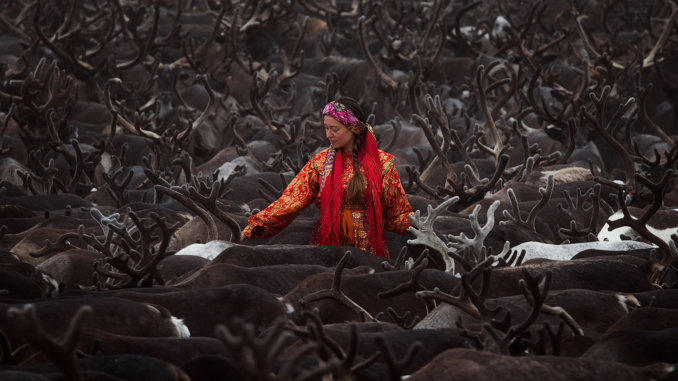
[338,134]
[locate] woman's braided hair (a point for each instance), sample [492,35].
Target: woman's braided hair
[356,185]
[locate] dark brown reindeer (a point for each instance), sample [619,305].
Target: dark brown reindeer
[463,364]
[240,340]
[62,352]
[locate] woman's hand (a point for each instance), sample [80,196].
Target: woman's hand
[252,231]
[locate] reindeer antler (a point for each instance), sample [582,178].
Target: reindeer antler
[62,352]
[422,228]
[532,216]
[490,128]
[336,293]
[640,224]
[648,60]
[129,260]
[396,367]
[116,111]
[596,116]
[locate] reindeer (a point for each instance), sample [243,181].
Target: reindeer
[141,130]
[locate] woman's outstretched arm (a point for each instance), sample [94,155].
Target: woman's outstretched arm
[300,192]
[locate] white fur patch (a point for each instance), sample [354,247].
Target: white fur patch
[606,234]
[181,328]
[468,31]
[622,302]
[13,311]
[565,252]
[288,307]
[409,262]
[245,208]
[632,300]
[53,285]
[500,26]
[207,250]
[227,169]
[627,301]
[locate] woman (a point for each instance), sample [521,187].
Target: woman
[355,185]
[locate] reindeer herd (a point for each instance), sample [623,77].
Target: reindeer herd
[537,142]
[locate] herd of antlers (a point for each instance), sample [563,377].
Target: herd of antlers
[146,118]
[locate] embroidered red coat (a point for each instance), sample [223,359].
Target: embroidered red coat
[305,188]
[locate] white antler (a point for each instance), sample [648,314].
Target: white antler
[461,241]
[423,230]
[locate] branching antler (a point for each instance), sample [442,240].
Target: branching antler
[413,285]
[292,66]
[396,367]
[203,193]
[63,243]
[257,93]
[540,108]
[330,349]
[366,51]
[270,192]
[648,60]
[640,224]
[475,247]
[535,289]
[181,194]
[128,260]
[257,355]
[118,189]
[468,251]
[576,209]
[62,352]
[209,109]
[532,216]
[469,186]
[468,300]
[216,207]
[121,118]
[596,116]
[415,178]
[422,228]
[440,157]
[490,128]
[336,293]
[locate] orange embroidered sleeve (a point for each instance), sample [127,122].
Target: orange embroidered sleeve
[300,192]
[395,204]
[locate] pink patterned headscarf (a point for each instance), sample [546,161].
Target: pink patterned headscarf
[345,116]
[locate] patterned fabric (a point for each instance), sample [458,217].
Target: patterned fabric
[305,189]
[327,168]
[360,225]
[345,116]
